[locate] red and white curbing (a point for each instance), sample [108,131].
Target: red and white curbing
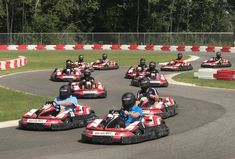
[182,48]
[14,63]
[218,74]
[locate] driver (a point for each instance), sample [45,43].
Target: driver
[80,59]
[151,69]
[104,58]
[142,66]
[218,56]
[152,99]
[87,81]
[69,67]
[130,112]
[65,98]
[180,58]
[145,89]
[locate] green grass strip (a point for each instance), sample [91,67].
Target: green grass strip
[189,78]
[38,60]
[13,104]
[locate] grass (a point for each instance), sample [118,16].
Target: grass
[13,104]
[189,78]
[51,59]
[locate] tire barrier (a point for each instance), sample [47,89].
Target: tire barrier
[19,62]
[149,47]
[205,73]
[225,74]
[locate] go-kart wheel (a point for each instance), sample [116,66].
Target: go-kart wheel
[138,132]
[67,120]
[106,66]
[181,68]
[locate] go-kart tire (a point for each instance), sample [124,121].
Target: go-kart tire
[166,114]
[190,67]
[67,120]
[165,84]
[138,132]
[104,95]
[163,130]
[229,64]
[181,68]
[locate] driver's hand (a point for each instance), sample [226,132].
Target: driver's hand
[56,104]
[126,113]
[152,96]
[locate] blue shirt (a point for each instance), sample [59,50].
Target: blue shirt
[128,119]
[71,99]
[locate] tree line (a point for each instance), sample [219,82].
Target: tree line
[46,16]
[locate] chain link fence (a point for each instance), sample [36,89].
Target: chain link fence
[174,38]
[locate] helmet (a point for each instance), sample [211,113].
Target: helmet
[218,54]
[87,73]
[69,61]
[152,65]
[69,64]
[104,56]
[142,62]
[179,55]
[65,91]
[80,58]
[128,100]
[151,95]
[144,83]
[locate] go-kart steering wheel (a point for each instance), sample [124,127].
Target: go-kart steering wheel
[54,104]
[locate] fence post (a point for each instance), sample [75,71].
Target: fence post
[234,36]
[92,38]
[41,37]
[144,39]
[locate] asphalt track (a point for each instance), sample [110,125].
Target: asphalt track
[204,127]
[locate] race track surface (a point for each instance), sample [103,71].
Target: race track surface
[204,127]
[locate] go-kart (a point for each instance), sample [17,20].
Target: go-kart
[213,63]
[96,90]
[176,66]
[66,75]
[165,108]
[83,66]
[132,72]
[111,65]
[112,130]
[156,79]
[54,117]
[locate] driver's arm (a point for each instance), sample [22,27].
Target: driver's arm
[72,101]
[133,114]
[92,80]
[64,103]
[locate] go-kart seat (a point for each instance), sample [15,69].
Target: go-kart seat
[116,123]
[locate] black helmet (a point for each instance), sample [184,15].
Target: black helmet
[69,63]
[104,56]
[142,62]
[218,54]
[128,100]
[152,65]
[87,73]
[144,83]
[65,91]
[80,58]
[179,55]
